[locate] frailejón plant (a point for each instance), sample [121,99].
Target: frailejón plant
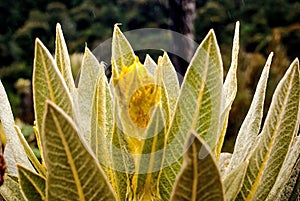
[142,136]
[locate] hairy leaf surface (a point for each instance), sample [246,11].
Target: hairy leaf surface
[233,182]
[169,78]
[72,170]
[10,190]
[199,178]
[102,122]
[86,88]
[198,108]
[33,185]
[150,160]
[63,60]
[252,122]
[150,64]
[286,181]
[14,152]
[122,52]
[48,84]
[35,162]
[229,89]
[276,136]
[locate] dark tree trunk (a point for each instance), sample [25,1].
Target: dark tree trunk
[182,13]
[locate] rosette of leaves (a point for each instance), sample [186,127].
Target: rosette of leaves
[142,136]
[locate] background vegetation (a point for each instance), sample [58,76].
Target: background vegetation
[270,25]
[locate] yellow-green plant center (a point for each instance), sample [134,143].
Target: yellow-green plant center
[138,92]
[141,103]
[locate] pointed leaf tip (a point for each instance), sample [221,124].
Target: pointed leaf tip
[198,168]
[58,26]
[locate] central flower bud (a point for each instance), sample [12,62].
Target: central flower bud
[137,95]
[141,103]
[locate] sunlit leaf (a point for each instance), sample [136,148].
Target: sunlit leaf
[10,190]
[33,185]
[72,170]
[14,152]
[286,183]
[276,136]
[63,60]
[86,88]
[37,165]
[198,108]
[123,164]
[122,52]
[233,182]
[199,178]
[229,89]
[223,162]
[251,125]
[170,79]
[150,65]
[102,122]
[48,84]
[150,160]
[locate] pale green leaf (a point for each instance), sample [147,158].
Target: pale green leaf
[48,84]
[123,163]
[169,77]
[229,89]
[63,60]
[36,163]
[276,136]
[33,185]
[101,122]
[223,162]
[198,108]
[288,175]
[150,160]
[150,65]
[86,88]
[233,182]
[295,182]
[251,125]
[122,52]
[10,190]
[199,178]
[72,169]
[14,151]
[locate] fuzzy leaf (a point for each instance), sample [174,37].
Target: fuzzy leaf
[251,125]
[122,164]
[86,88]
[223,162]
[198,108]
[150,65]
[72,170]
[276,136]
[150,160]
[229,89]
[169,77]
[233,182]
[14,152]
[63,60]
[33,185]
[10,190]
[48,84]
[288,175]
[101,122]
[199,178]
[122,52]
[37,165]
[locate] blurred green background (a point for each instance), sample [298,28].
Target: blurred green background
[270,25]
